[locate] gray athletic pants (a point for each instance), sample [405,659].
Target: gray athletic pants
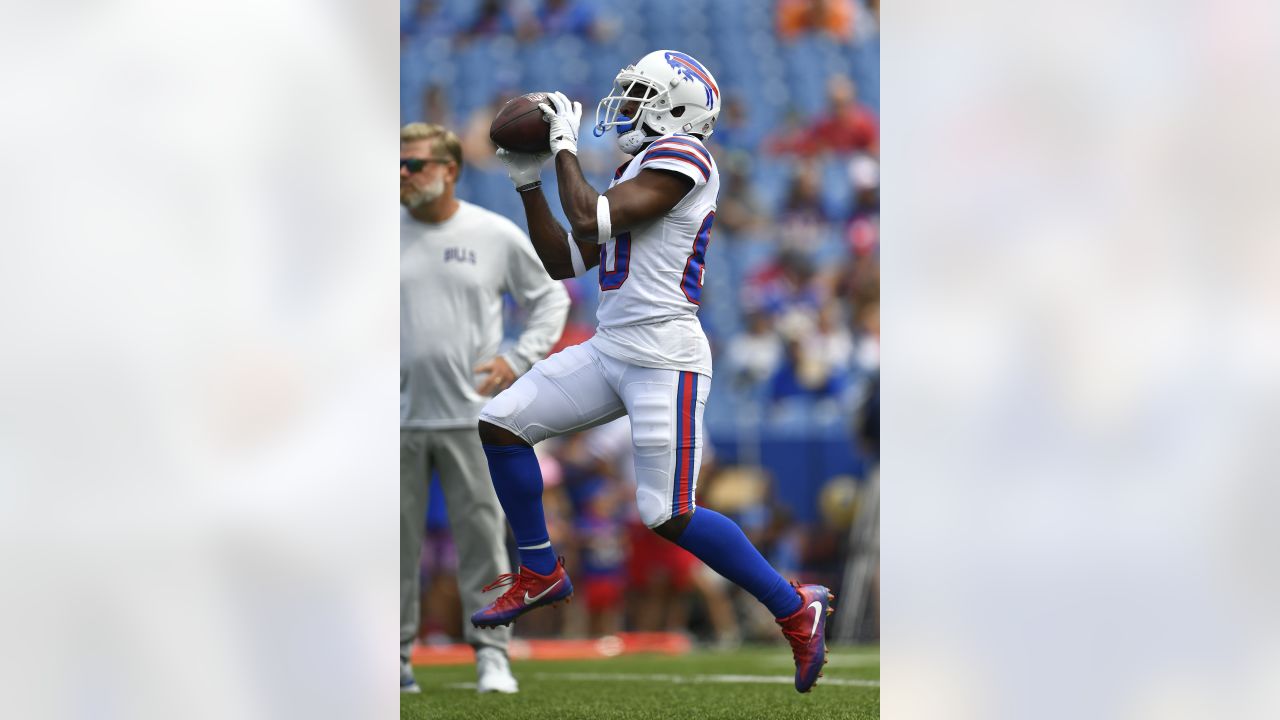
[475,519]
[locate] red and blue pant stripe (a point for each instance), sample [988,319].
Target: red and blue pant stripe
[686,436]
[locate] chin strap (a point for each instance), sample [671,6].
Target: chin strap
[631,142]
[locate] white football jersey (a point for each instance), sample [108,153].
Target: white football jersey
[651,277]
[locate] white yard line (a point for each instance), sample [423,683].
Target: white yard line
[683,679]
[860,660]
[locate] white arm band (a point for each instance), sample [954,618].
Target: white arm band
[579,267]
[604,229]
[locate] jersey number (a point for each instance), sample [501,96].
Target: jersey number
[691,281]
[613,279]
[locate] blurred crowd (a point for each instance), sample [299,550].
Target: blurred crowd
[791,301]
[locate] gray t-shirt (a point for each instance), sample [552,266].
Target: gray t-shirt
[452,276]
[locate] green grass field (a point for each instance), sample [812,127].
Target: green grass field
[747,683]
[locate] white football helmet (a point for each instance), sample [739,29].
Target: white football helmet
[676,93]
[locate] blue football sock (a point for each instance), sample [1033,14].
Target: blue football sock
[718,541]
[517,480]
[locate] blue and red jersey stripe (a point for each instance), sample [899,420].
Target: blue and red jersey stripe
[682,150]
[683,144]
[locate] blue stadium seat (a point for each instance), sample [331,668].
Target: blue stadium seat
[832,247]
[772,180]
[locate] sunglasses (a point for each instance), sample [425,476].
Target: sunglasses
[417,165]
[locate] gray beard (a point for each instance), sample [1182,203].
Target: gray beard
[427,195]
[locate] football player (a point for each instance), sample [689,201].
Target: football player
[649,358]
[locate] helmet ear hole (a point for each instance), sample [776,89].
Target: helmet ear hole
[677,111]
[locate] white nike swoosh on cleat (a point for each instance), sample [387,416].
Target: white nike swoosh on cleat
[815,606]
[531,600]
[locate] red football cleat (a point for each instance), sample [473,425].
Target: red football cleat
[529,590]
[805,630]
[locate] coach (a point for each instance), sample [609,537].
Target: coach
[456,261]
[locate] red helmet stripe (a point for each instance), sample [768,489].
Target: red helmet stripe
[699,72]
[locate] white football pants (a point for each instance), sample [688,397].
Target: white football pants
[581,387]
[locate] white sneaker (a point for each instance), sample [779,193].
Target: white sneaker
[493,672]
[408,684]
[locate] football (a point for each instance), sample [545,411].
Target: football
[519,125]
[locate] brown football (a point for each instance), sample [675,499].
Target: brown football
[519,126]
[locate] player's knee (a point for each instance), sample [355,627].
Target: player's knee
[506,411]
[491,434]
[652,507]
[672,529]
[655,512]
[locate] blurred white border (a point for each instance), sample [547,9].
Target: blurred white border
[1080,357]
[199,308]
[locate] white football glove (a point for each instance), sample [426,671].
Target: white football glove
[524,169]
[565,117]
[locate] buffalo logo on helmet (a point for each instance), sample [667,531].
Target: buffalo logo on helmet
[691,69]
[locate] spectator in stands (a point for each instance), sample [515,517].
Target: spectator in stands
[786,283]
[601,555]
[495,17]
[427,20]
[733,129]
[803,221]
[831,342]
[476,145]
[790,136]
[436,108]
[804,195]
[846,126]
[803,373]
[754,355]
[581,324]
[739,212]
[867,421]
[826,543]
[857,282]
[568,17]
[441,614]
[864,227]
[867,341]
[832,17]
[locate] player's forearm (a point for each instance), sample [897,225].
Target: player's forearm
[577,197]
[549,238]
